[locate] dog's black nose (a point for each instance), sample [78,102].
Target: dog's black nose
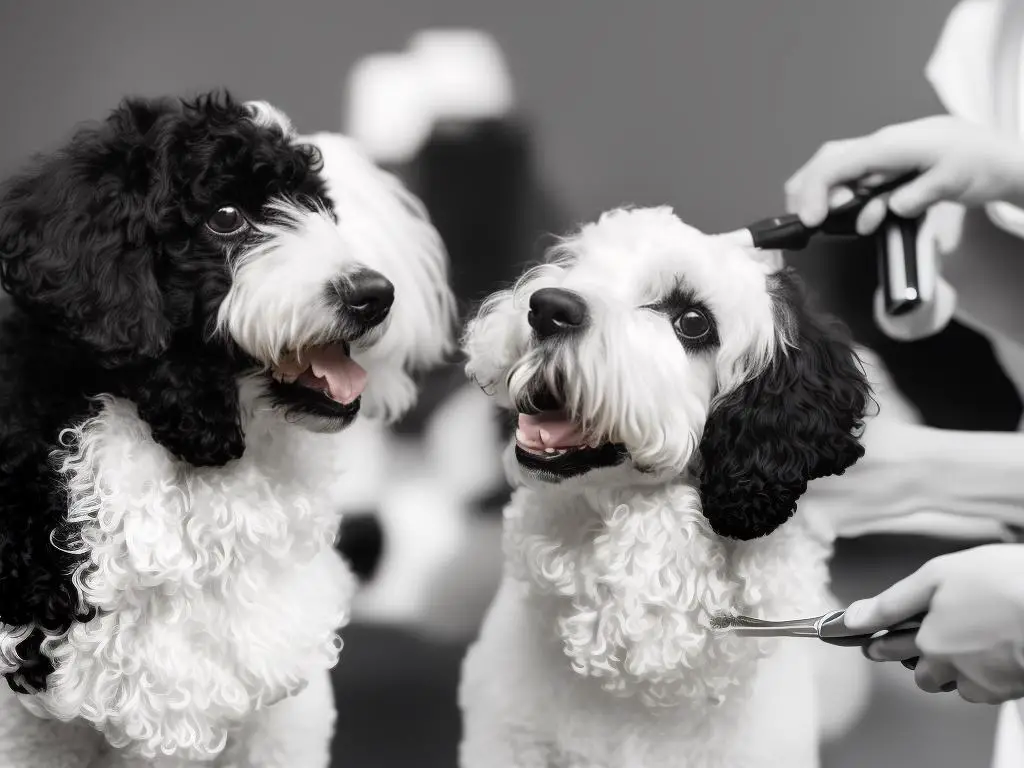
[555,310]
[367,296]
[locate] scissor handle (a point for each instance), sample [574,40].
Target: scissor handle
[908,627]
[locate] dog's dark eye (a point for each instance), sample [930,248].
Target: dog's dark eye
[227,221]
[693,325]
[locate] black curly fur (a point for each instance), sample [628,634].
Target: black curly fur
[115,283]
[798,421]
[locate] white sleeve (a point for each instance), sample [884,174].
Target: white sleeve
[961,71]
[960,67]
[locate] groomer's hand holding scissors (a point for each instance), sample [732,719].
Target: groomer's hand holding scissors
[958,162]
[972,638]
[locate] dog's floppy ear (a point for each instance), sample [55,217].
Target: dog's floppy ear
[800,419]
[74,239]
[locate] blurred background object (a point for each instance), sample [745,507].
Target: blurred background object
[513,121]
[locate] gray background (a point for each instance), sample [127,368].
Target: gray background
[705,105]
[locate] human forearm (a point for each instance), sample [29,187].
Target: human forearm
[972,474]
[916,479]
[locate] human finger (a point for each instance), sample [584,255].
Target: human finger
[872,216]
[974,693]
[934,676]
[915,197]
[897,647]
[849,161]
[903,600]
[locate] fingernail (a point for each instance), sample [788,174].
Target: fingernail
[839,196]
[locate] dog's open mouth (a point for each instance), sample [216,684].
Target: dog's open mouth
[549,442]
[321,381]
[327,369]
[551,433]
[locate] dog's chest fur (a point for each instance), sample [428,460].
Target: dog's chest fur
[218,589]
[627,580]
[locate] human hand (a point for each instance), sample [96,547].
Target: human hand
[972,638]
[959,162]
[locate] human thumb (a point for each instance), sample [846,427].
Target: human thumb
[901,601]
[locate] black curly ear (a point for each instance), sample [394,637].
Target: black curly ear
[74,245]
[799,420]
[189,398]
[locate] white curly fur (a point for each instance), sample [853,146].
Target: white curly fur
[598,649]
[10,638]
[219,590]
[265,114]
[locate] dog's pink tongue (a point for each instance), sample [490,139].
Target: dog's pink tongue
[344,377]
[548,430]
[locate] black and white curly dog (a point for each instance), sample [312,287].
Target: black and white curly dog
[201,301]
[675,394]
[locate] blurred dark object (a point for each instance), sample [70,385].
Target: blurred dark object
[899,272]
[361,543]
[953,378]
[397,700]
[480,184]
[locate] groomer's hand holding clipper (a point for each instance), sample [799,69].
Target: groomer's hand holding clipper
[972,636]
[956,161]
[948,160]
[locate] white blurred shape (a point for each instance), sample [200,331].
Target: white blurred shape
[463,443]
[394,100]
[1009,746]
[843,682]
[441,562]
[388,110]
[464,72]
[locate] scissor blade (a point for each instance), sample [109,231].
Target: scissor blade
[751,627]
